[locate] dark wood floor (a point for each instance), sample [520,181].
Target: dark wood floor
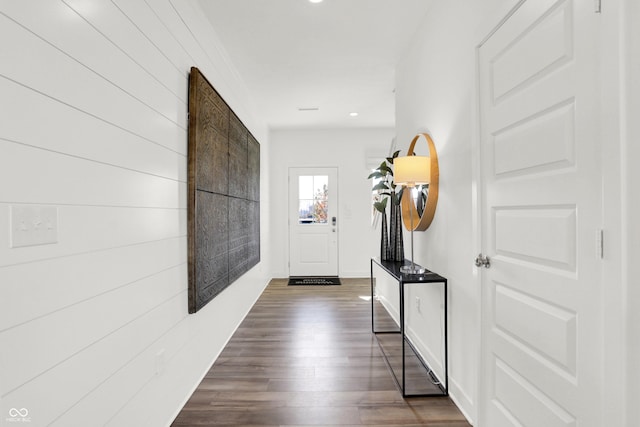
[305,356]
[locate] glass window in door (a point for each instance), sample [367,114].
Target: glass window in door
[313,193]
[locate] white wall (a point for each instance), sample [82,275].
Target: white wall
[93,119]
[348,150]
[435,93]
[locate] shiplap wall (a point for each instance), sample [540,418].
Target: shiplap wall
[94,330]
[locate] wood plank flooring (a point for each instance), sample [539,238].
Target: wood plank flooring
[305,356]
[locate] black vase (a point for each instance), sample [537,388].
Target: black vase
[396,242]
[384,241]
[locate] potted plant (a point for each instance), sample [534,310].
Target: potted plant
[391,243]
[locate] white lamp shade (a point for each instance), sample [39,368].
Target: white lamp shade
[412,170]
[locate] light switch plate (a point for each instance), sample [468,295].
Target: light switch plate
[33,225]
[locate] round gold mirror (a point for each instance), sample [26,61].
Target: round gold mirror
[422,206]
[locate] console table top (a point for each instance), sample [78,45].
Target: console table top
[393,268]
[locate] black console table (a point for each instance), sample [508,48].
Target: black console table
[424,380]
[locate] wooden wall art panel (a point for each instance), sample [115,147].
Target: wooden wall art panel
[223,212]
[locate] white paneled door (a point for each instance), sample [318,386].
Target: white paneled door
[313,222]
[541,218]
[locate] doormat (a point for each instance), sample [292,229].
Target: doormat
[320,281]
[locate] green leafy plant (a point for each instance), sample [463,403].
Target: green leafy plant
[386,188]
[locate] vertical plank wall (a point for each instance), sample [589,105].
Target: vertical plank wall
[94,329]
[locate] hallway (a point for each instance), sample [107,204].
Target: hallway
[306,356]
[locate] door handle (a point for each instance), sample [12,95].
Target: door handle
[483,261]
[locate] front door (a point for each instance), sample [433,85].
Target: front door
[313,222]
[541,216]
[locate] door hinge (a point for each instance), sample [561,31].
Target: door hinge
[597,6]
[600,243]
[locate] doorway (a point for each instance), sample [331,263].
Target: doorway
[313,221]
[540,218]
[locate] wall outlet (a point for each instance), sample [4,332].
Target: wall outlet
[33,225]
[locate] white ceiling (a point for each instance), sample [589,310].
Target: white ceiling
[338,56]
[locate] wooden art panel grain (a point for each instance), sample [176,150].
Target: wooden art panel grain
[238,238]
[253,169]
[254,233]
[212,243]
[219,206]
[238,158]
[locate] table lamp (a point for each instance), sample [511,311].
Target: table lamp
[411,172]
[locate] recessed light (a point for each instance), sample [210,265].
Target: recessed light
[315,1]
[354,114]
